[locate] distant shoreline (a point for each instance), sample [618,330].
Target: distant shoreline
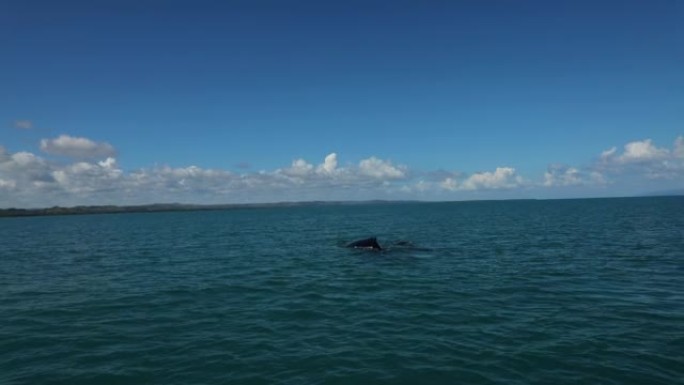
[170,207]
[167,207]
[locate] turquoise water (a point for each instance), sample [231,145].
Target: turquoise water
[514,292]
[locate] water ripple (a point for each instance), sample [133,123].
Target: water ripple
[503,292]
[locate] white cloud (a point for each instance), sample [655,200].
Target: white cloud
[192,178]
[328,172]
[75,147]
[450,184]
[299,168]
[678,151]
[558,175]
[633,152]
[23,166]
[643,158]
[329,164]
[27,179]
[24,178]
[563,176]
[608,154]
[303,169]
[502,177]
[25,159]
[84,177]
[96,182]
[380,169]
[642,151]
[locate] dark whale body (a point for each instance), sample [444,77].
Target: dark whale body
[368,243]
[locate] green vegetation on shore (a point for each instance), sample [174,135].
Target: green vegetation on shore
[157,207]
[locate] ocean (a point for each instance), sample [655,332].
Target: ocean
[587,291]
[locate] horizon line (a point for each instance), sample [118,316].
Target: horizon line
[177,206]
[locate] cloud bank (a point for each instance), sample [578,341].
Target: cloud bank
[93,176]
[87,172]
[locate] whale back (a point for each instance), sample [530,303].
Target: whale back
[367,243]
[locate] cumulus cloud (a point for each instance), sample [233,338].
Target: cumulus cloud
[24,178]
[23,124]
[633,152]
[644,158]
[501,178]
[329,164]
[380,169]
[299,168]
[328,172]
[90,177]
[642,151]
[635,160]
[76,147]
[93,181]
[84,177]
[23,166]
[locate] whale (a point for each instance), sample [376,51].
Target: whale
[367,243]
[399,246]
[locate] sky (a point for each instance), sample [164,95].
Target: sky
[134,102]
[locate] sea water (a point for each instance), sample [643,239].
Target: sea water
[501,292]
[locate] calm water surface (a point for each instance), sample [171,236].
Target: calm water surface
[514,292]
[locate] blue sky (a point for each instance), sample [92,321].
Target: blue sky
[235,101]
